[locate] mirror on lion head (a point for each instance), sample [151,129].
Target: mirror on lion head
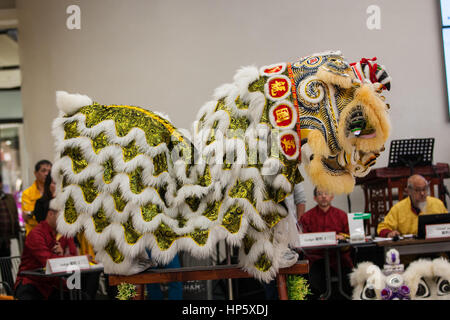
[343,117]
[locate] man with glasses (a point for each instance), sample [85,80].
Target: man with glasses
[403,218]
[326,218]
[42,244]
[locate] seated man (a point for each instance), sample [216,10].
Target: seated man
[40,245]
[325,218]
[403,218]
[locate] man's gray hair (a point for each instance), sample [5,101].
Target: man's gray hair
[412,179]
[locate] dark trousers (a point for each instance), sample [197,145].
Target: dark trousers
[27,292]
[317,281]
[89,284]
[30,292]
[271,290]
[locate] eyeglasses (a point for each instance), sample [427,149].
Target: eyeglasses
[319,193]
[419,190]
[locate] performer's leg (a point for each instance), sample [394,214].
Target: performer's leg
[317,278]
[27,292]
[175,288]
[154,291]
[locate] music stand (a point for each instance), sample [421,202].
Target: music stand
[411,152]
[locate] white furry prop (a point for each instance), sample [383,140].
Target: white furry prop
[429,279]
[131,180]
[367,281]
[426,280]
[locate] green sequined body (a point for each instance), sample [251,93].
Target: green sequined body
[134,191]
[131,181]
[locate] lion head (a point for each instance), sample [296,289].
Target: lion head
[343,118]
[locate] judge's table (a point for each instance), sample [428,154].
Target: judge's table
[408,244]
[337,250]
[74,293]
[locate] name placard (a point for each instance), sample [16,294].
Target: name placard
[437,230]
[356,226]
[315,239]
[61,265]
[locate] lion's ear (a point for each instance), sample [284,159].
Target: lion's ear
[336,71]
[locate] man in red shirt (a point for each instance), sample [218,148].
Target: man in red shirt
[40,245]
[325,218]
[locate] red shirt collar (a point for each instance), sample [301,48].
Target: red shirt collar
[47,227]
[319,210]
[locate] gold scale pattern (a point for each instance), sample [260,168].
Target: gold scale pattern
[96,114]
[157,131]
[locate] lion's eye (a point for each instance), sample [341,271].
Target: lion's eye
[443,287]
[368,293]
[422,289]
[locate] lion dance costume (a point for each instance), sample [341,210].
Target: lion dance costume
[131,180]
[423,279]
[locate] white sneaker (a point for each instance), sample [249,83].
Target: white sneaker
[288,258]
[141,265]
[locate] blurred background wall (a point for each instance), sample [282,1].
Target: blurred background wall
[169,56]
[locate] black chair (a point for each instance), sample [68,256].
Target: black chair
[9,266]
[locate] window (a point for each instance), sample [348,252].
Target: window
[445,15]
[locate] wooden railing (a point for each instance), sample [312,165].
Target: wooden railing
[204,273]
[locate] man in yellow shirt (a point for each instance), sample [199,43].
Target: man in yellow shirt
[403,218]
[34,192]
